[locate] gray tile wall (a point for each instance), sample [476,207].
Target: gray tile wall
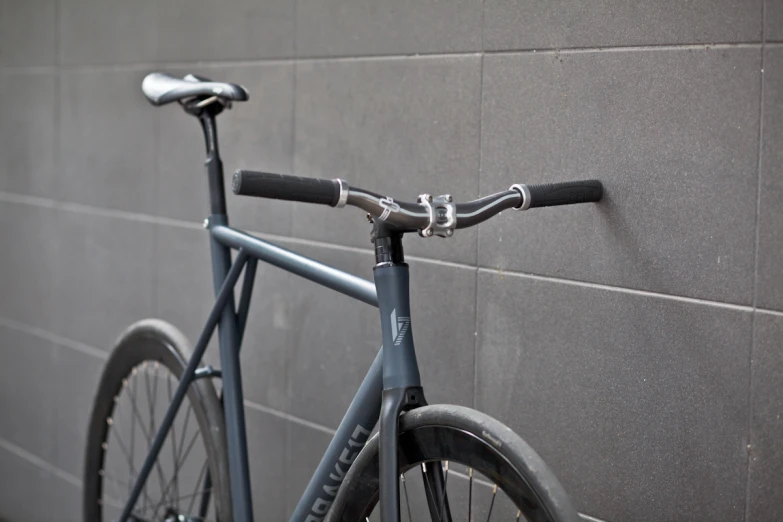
[636,344]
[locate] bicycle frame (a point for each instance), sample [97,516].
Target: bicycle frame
[392,383]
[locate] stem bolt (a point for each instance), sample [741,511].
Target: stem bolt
[205,224]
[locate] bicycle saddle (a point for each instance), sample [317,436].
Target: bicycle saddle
[161,88]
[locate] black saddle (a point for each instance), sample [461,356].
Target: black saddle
[161,88]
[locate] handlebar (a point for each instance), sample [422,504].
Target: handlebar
[430,215]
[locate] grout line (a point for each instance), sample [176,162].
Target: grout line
[89,350]
[748,442]
[53,338]
[144,218]
[138,66]
[289,496]
[759,167]
[611,288]
[478,192]
[774,313]
[37,201]
[483,21]
[34,459]
[287,416]
[588,518]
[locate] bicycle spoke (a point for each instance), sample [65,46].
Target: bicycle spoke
[124,449]
[187,451]
[198,482]
[173,432]
[470,494]
[443,500]
[184,429]
[492,502]
[115,484]
[133,431]
[121,484]
[154,397]
[160,504]
[429,488]
[407,501]
[178,464]
[137,413]
[151,401]
[184,497]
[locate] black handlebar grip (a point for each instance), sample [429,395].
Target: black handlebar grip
[566,193]
[290,188]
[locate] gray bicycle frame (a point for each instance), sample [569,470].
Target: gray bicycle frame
[392,370]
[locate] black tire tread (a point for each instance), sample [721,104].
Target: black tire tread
[507,443]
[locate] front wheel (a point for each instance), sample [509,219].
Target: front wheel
[490,473]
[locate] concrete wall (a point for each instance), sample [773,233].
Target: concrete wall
[636,344]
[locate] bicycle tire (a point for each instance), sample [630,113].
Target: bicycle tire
[154,341]
[459,435]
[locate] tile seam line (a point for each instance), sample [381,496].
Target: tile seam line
[289,417]
[74,480]
[40,462]
[89,350]
[478,192]
[60,473]
[620,289]
[51,337]
[756,247]
[392,56]
[157,220]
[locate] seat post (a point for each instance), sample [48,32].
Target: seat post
[217,195]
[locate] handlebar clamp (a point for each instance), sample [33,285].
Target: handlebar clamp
[443,215]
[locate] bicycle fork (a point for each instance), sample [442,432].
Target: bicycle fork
[402,389]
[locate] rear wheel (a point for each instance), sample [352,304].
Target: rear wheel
[136,388]
[489,473]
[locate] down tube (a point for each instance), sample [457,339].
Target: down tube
[351,436]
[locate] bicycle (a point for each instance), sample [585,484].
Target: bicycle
[418,446]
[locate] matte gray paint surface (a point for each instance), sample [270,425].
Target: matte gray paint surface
[673,131]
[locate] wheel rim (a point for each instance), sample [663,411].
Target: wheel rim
[177,488]
[479,481]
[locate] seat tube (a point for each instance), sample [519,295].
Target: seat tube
[214,165]
[228,335]
[401,380]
